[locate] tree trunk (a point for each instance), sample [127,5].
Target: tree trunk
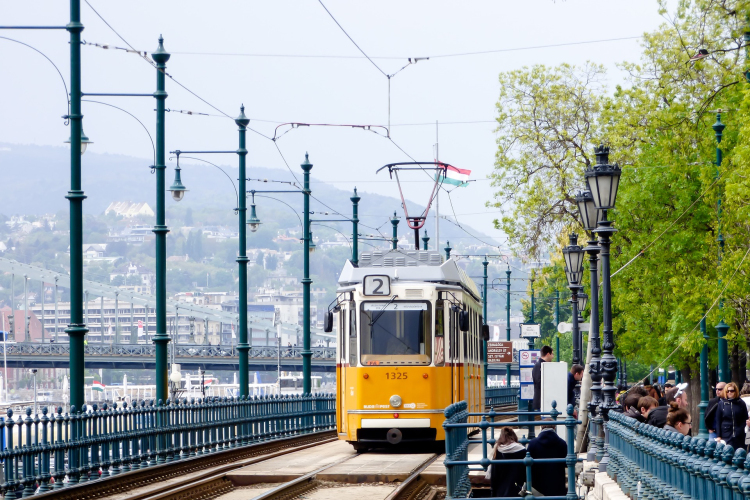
[692,377]
[735,363]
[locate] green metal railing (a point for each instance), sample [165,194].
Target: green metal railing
[42,452]
[499,396]
[655,464]
[457,442]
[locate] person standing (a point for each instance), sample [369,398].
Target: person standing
[536,376]
[575,375]
[678,420]
[548,478]
[731,417]
[710,417]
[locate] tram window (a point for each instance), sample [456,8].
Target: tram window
[439,333]
[352,320]
[439,318]
[342,332]
[396,333]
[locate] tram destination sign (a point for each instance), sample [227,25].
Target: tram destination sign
[500,352]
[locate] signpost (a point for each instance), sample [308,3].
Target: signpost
[529,330]
[500,352]
[526,361]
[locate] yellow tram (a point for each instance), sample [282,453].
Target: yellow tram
[409,332]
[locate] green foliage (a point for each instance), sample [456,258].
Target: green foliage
[659,129]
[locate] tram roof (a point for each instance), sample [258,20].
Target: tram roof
[407,265]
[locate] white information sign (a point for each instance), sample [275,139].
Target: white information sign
[376,285]
[531,330]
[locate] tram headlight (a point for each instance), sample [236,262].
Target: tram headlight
[395,401]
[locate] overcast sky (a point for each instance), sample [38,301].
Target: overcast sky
[345,90]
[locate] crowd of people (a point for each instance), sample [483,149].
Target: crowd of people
[726,418]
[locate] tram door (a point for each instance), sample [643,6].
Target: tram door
[455,354]
[341,362]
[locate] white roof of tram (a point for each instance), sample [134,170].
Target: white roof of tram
[407,265]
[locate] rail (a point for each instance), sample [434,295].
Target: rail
[648,462]
[148,350]
[500,396]
[457,442]
[60,450]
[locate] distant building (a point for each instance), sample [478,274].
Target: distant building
[129,209]
[135,234]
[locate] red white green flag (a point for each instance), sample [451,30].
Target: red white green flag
[454,176]
[98,386]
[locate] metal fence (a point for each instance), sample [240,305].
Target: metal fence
[53,451]
[652,463]
[457,443]
[501,396]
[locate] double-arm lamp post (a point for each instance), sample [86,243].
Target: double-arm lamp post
[309,247]
[178,192]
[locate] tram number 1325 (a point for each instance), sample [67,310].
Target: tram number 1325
[396,376]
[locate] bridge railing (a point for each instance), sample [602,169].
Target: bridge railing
[648,462]
[500,396]
[148,350]
[42,452]
[457,442]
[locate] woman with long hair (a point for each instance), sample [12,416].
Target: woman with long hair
[731,417]
[678,419]
[506,480]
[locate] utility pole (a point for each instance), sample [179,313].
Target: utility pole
[394,223]
[306,282]
[557,322]
[355,227]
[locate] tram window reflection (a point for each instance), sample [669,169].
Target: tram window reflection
[397,333]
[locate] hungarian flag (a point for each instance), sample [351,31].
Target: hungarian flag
[98,386]
[452,175]
[208,382]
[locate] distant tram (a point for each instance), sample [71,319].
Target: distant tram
[409,327]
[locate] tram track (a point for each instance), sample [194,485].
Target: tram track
[205,473]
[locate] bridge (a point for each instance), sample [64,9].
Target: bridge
[189,357]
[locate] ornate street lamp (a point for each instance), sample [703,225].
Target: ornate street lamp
[573,254]
[254,222]
[177,189]
[84,142]
[582,301]
[590,216]
[603,180]
[311,247]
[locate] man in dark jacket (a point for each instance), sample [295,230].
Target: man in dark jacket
[536,376]
[711,411]
[548,478]
[575,375]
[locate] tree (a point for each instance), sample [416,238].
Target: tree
[272,262]
[189,217]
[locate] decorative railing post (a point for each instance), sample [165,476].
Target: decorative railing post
[44,459]
[59,447]
[10,479]
[94,423]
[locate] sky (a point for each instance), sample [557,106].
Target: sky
[230,53]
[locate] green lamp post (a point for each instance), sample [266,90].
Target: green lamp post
[507,321]
[722,328]
[243,346]
[394,239]
[161,339]
[77,329]
[425,240]
[306,282]
[447,250]
[355,227]
[485,263]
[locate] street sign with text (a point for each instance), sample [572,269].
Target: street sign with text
[500,352]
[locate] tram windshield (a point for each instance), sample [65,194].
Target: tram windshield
[396,333]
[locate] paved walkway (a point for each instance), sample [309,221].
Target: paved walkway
[373,467]
[288,467]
